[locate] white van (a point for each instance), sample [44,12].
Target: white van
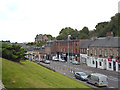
[98,79]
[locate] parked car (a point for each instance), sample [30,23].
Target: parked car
[47,62]
[81,76]
[37,62]
[55,59]
[98,79]
[61,60]
[75,62]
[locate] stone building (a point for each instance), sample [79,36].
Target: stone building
[84,50]
[50,49]
[41,37]
[104,53]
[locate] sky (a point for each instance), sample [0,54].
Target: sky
[22,20]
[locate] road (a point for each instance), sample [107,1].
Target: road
[62,67]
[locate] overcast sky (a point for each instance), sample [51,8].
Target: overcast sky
[21,20]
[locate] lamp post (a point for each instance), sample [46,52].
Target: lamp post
[68,59]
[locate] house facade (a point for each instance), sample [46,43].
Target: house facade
[50,49]
[84,50]
[103,53]
[67,47]
[41,37]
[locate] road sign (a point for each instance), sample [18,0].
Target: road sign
[68,68]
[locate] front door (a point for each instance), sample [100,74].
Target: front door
[114,65]
[96,64]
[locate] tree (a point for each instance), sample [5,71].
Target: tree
[84,33]
[50,37]
[112,26]
[13,52]
[63,34]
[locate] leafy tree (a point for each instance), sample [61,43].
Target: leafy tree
[63,34]
[112,26]
[13,52]
[50,37]
[84,33]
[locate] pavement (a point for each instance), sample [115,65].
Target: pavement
[1,85]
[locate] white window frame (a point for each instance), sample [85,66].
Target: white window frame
[91,51]
[105,52]
[117,52]
[100,51]
[111,52]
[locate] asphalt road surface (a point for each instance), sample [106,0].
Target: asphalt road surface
[62,67]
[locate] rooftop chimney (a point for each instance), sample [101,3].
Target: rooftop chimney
[109,34]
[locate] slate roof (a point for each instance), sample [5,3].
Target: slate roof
[85,44]
[106,42]
[67,41]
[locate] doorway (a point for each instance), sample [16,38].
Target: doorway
[114,65]
[96,64]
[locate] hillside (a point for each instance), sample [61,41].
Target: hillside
[31,75]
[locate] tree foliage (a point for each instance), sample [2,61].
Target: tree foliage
[13,52]
[100,30]
[112,26]
[50,37]
[39,43]
[75,34]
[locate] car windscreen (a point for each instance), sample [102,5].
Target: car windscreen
[83,74]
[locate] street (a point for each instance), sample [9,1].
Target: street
[62,67]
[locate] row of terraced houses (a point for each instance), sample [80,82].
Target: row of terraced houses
[100,53]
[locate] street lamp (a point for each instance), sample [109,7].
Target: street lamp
[68,59]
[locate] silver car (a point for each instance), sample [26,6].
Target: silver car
[81,76]
[47,62]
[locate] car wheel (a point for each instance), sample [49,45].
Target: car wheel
[96,84]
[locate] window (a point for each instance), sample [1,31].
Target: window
[89,76]
[111,52]
[109,64]
[91,51]
[100,52]
[95,52]
[76,43]
[105,52]
[117,53]
[76,50]
[100,63]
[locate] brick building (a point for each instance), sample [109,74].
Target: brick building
[62,49]
[104,53]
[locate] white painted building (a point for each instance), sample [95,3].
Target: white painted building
[103,53]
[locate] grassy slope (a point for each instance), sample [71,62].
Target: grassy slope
[32,75]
